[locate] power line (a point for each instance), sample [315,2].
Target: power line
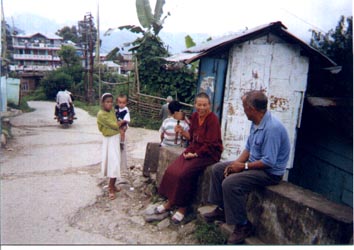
[303,20]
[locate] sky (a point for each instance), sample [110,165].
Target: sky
[215,17]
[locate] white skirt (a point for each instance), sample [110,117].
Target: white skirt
[111,159]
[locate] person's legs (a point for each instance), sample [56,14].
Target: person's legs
[215,192]
[235,189]
[112,188]
[216,179]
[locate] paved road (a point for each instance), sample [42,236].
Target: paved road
[50,173]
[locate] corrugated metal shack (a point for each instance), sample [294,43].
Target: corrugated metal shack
[267,58]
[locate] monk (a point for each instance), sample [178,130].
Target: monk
[179,183]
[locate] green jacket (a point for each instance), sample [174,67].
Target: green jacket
[107,123]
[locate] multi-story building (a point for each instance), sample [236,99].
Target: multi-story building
[35,53]
[33,56]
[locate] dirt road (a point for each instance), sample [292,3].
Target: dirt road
[51,190]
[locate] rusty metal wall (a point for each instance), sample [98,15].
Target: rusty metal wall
[268,64]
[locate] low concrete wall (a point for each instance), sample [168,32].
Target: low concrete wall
[282,214]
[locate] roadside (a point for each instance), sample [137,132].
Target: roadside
[52,193]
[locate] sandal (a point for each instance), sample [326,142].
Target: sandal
[177,218]
[160,209]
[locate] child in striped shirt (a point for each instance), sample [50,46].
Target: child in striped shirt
[167,129]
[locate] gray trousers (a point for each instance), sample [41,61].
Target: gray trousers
[231,192]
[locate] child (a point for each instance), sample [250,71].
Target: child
[167,130]
[122,114]
[109,127]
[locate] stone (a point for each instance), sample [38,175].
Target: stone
[155,217]
[131,241]
[173,236]
[138,220]
[167,156]
[206,209]
[150,209]
[138,183]
[186,229]
[3,140]
[151,158]
[164,224]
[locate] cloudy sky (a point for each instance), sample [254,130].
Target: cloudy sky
[216,17]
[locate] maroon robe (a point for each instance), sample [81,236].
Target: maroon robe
[180,180]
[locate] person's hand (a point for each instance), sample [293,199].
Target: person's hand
[234,167]
[179,129]
[189,155]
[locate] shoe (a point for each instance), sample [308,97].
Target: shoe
[217,214]
[240,234]
[177,218]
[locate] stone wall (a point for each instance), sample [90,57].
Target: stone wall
[282,214]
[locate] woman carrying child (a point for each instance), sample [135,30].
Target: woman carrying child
[108,125]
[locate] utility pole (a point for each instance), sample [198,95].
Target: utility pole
[86,30]
[98,47]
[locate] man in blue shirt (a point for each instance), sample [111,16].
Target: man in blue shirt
[262,163]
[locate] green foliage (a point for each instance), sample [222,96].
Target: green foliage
[68,33]
[154,79]
[68,56]
[70,75]
[337,44]
[140,121]
[208,234]
[53,81]
[23,104]
[189,41]
[143,10]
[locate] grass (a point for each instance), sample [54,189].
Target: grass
[208,234]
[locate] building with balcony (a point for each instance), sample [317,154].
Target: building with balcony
[35,53]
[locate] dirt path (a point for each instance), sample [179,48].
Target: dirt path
[52,193]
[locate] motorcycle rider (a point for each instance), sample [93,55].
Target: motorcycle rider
[63,96]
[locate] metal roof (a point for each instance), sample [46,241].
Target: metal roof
[196,52]
[51,36]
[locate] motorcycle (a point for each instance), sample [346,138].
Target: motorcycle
[65,116]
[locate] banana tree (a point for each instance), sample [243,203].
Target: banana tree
[149,22]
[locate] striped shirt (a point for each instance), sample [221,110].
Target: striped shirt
[168,129]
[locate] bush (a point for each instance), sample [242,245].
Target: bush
[208,234]
[53,81]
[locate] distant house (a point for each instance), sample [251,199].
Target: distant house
[33,56]
[127,64]
[267,58]
[112,67]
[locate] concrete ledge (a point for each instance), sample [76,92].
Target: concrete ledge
[288,214]
[282,214]
[151,160]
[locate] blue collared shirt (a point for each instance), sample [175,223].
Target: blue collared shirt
[269,142]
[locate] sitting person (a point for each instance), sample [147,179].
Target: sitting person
[179,183]
[262,163]
[167,130]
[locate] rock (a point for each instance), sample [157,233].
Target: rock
[138,220]
[156,217]
[187,229]
[138,183]
[206,209]
[150,209]
[131,241]
[3,140]
[174,237]
[164,224]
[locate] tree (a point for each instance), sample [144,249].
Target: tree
[189,42]
[53,81]
[337,44]
[68,56]
[151,51]
[69,34]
